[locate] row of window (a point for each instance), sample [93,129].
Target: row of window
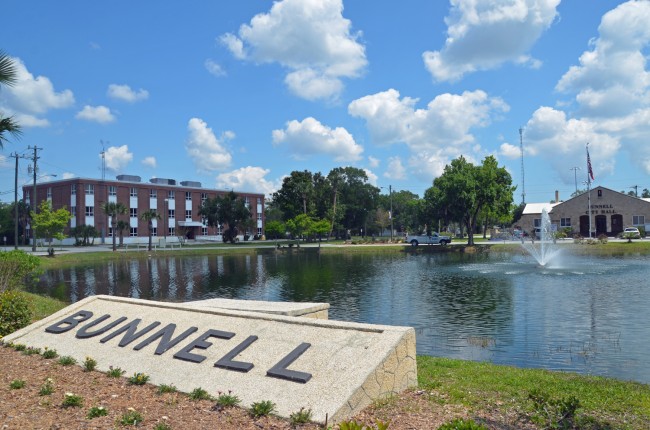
[566,222]
[89,189]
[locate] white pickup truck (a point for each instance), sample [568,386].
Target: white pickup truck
[433,239]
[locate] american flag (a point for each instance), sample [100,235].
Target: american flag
[589,170]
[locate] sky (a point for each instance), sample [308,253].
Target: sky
[236,95]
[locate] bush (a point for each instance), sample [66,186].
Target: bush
[15,311]
[17,268]
[460,424]
[263,408]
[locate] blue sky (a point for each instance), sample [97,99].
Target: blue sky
[239,94]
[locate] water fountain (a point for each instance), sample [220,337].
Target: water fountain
[543,248]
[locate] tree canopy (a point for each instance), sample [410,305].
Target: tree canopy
[49,224]
[463,191]
[7,77]
[229,210]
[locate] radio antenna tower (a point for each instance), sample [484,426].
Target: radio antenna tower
[521,149]
[103,153]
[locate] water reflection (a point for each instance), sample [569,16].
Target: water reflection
[587,315]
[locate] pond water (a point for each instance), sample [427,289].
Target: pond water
[589,314]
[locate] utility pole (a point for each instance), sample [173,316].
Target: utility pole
[521,149]
[390,193]
[34,203]
[575,175]
[636,190]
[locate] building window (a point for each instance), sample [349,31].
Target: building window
[133,232]
[73,211]
[259,200]
[171,231]
[600,193]
[133,212]
[565,222]
[73,189]
[204,197]
[219,229]
[170,195]
[153,194]
[537,222]
[90,211]
[49,193]
[171,213]
[188,196]
[247,201]
[133,192]
[89,189]
[110,231]
[188,215]
[112,190]
[638,219]
[204,231]
[259,217]
[259,231]
[154,231]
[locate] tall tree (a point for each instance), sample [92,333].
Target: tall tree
[464,190]
[7,77]
[296,194]
[49,224]
[228,210]
[149,216]
[121,226]
[113,209]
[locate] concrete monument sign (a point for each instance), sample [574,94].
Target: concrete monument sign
[333,368]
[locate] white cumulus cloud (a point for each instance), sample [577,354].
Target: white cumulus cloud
[214,68]
[612,78]
[31,97]
[126,94]
[311,38]
[206,151]
[248,178]
[373,162]
[117,158]
[149,161]
[395,169]
[434,135]
[68,175]
[100,114]
[310,137]
[483,34]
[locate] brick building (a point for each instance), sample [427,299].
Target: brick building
[177,204]
[611,212]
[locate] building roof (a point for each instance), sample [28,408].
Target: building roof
[537,208]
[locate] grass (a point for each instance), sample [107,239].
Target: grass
[44,306]
[484,386]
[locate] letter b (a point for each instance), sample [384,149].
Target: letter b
[69,323]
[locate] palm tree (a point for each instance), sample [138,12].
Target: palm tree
[7,77]
[149,216]
[121,226]
[113,209]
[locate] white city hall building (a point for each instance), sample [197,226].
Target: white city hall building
[611,212]
[177,204]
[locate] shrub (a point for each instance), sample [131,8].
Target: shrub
[15,311]
[164,388]
[302,416]
[90,364]
[131,418]
[461,424]
[49,353]
[17,384]
[66,360]
[71,400]
[602,238]
[227,400]
[96,411]
[200,394]
[139,379]
[32,351]
[114,372]
[17,268]
[162,426]
[553,413]
[263,408]
[47,388]
[353,425]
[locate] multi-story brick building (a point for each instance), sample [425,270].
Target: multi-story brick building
[611,212]
[177,204]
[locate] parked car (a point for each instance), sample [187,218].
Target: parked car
[433,239]
[631,233]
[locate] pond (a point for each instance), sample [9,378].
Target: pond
[589,315]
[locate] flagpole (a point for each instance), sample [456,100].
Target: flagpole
[589,187]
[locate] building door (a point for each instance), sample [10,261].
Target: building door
[584,225]
[617,224]
[601,225]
